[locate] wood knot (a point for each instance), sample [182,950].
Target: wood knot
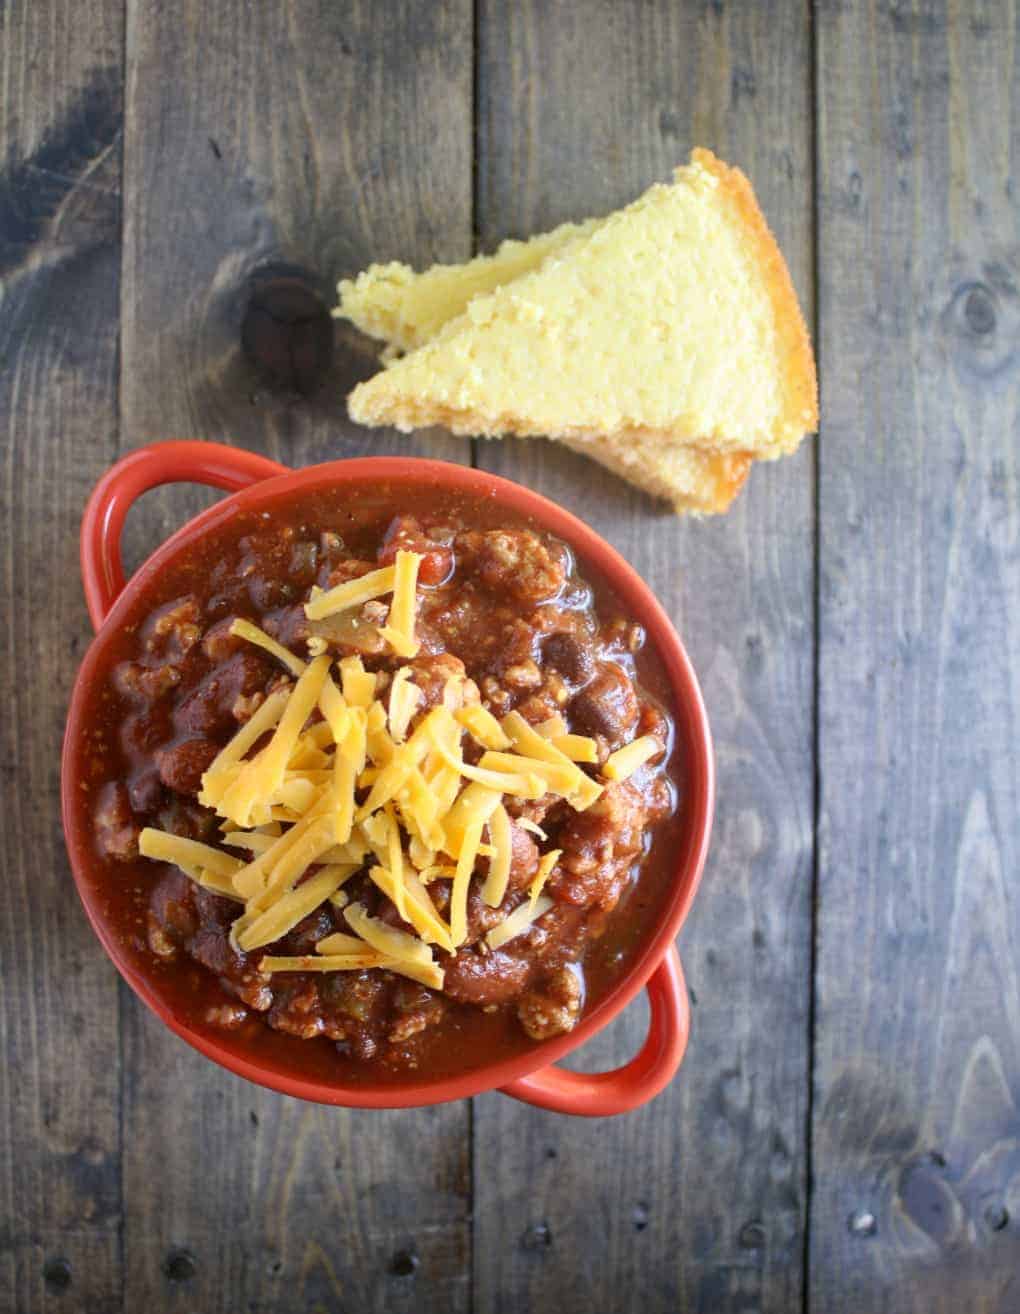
[287,332]
[57,1274]
[927,1198]
[979,310]
[982,321]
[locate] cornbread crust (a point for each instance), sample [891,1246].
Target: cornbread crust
[696,482]
[800,382]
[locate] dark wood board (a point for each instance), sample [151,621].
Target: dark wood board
[309,139]
[60,1203]
[916,1203]
[290,136]
[698,1200]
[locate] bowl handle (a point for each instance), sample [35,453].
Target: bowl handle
[636,1082]
[215,464]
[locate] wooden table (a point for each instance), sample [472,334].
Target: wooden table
[845,1132]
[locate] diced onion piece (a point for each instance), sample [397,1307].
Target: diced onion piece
[626,760]
[518,921]
[352,593]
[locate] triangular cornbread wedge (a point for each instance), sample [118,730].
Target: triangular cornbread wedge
[405,310]
[667,327]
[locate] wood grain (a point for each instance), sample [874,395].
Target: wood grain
[60,128]
[291,135]
[697,1201]
[917,1089]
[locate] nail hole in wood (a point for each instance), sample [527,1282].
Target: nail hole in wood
[179,1266]
[862,1223]
[536,1237]
[639,1216]
[997,1217]
[404,1263]
[57,1274]
[752,1235]
[287,333]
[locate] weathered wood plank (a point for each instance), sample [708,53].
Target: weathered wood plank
[697,1201]
[916,1203]
[321,137]
[60,128]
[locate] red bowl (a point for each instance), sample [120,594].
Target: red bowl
[255,483]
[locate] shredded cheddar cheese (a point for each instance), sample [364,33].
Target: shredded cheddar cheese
[399,628]
[518,921]
[353,593]
[545,865]
[246,630]
[344,773]
[626,760]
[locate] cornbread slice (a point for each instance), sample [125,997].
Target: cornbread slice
[406,310]
[669,324]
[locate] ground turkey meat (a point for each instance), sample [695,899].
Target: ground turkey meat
[551,1007]
[514,563]
[600,846]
